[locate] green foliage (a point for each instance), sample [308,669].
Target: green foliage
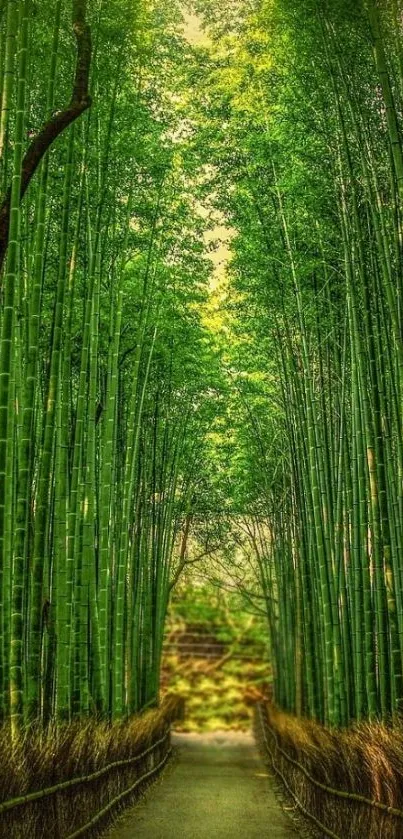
[106,366]
[218,692]
[158,409]
[300,118]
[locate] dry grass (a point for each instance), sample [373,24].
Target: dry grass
[366,759]
[42,760]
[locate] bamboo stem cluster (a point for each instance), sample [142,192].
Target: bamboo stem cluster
[324,225]
[98,397]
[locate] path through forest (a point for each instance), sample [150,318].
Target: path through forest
[217,788]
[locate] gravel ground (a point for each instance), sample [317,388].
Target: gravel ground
[216,788]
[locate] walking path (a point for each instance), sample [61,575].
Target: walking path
[217,788]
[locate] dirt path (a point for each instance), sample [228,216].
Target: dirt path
[217,788]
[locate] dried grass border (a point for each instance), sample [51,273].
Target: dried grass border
[72,780]
[349,783]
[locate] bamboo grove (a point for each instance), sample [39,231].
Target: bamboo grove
[306,100]
[102,353]
[143,391]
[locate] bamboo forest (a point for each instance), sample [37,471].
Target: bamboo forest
[201,419]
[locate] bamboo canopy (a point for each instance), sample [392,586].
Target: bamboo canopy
[145,386]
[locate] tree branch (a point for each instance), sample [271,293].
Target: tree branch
[80,101]
[185,562]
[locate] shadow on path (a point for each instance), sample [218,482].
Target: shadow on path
[217,788]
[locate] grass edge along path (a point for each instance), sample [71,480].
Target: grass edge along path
[346,782]
[74,786]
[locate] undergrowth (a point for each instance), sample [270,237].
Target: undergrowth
[219,689]
[43,759]
[365,760]
[219,695]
